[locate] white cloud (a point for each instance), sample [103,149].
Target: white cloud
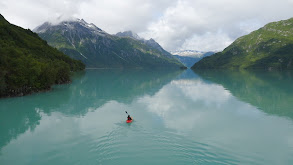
[196,24]
[208,41]
[116,15]
[175,24]
[31,13]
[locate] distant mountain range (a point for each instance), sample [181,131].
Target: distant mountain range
[28,64]
[188,53]
[190,57]
[270,47]
[96,48]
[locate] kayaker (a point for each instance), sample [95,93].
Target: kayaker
[129,118]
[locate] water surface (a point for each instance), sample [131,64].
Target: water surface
[180,117]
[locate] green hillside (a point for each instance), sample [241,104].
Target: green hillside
[270,47]
[28,64]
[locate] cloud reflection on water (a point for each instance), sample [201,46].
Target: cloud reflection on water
[210,114]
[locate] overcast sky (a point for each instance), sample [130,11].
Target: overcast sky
[205,25]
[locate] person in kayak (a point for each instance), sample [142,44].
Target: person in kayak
[129,118]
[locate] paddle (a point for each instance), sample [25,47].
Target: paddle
[128,114]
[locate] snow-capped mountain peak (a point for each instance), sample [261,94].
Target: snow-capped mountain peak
[130,34]
[70,24]
[188,53]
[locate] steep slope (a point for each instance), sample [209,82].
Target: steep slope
[96,48]
[270,47]
[28,64]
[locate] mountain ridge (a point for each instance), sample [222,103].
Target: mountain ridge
[190,57]
[189,53]
[98,49]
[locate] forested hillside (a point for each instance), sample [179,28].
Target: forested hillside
[28,64]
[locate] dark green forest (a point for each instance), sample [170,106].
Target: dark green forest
[28,64]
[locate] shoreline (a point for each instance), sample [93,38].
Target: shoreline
[12,93]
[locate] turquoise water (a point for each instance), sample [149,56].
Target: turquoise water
[180,117]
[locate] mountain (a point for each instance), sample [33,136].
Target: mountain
[188,53]
[98,49]
[28,64]
[270,47]
[151,42]
[190,57]
[129,34]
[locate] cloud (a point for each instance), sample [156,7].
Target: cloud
[175,24]
[62,10]
[116,15]
[190,24]
[207,41]
[31,13]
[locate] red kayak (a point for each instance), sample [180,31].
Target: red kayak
[129,121]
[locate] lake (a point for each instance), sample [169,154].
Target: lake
[180,117]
